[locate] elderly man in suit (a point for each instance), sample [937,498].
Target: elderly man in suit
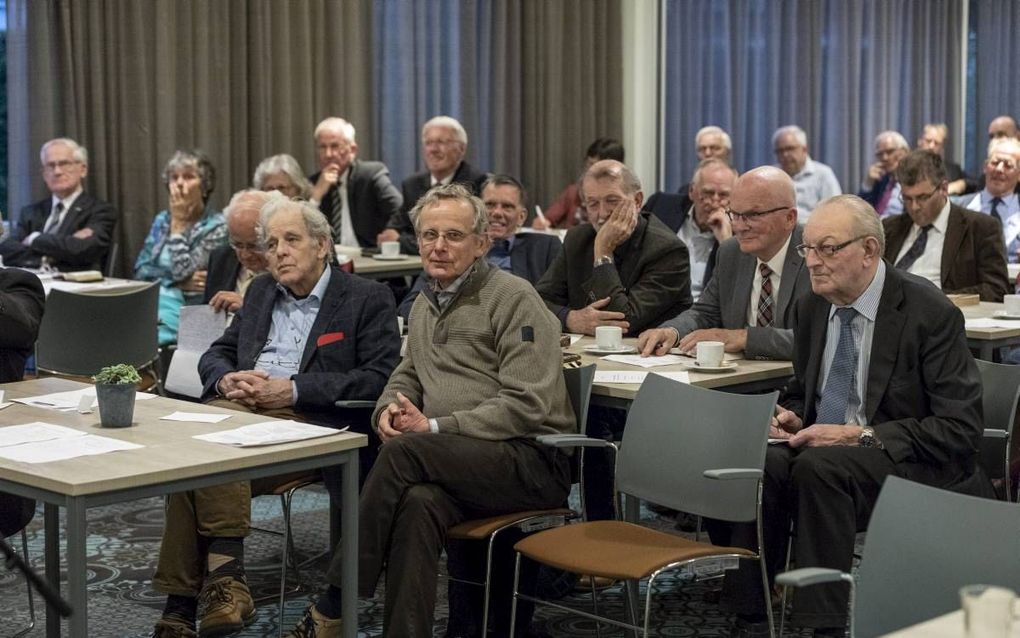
[880,188]
[958,250]
[884,385]
[356,196]
[306,337]
[758,277]
[70,229]
[232,268]
[444,144]
[1000,196]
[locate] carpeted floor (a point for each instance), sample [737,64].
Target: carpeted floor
[124,542]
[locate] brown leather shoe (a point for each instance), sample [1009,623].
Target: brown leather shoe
[227,606]
[173,628]
[315,625]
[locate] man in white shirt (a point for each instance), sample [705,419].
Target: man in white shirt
[706,224]
[813,180]
[1000,197]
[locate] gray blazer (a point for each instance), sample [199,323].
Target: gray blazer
[724,301]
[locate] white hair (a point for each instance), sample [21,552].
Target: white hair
[897,139]
[714,130]
[338,125]
[315,222]
[445,121]
[248,199]
[792,129]
[78,151]
[997,143]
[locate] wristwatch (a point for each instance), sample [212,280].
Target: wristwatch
[602,260]
[868,438]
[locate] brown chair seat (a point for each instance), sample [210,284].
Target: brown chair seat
[483,528]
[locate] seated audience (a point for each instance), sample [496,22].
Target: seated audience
[701,226]
[813,180]
[444,144]
[70,229]
[232,268]
[527,255]
[482,379]
[282,173]
[933,138]
[306,337]
[958,250]
[176,251]
[884,385]
[356,196]
[880,188]
[1000,196]
[567,211]
[625,268]
[748,304]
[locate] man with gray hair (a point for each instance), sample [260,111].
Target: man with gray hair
[70,229]
[880,188]
[232,268]
[306,337]
[444,144]
[356,196]
[1000,196]
[712,142]
[813,180]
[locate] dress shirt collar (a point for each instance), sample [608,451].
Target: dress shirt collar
[317,293]
[67,201]
[807,170]
[777,261]
[1008,200]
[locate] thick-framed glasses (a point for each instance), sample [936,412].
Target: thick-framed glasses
[920,200]
[63,165]
[753,217]
[827,251]
[429,237]
[244,246]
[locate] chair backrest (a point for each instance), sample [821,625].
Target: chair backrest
[922,545]
[1000,391]
[579,382]
[81,333]
[676,431]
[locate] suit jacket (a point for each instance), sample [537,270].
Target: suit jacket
[724,302]
[222,272]
[649,280]
[417,185]
[874,194]
[973,255]
[923,392]
[371,197]
[351,350]
[21,309]
[672,210]
[66,251]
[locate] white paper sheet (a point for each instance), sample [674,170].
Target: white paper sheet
[195,417]
[636,377]
[645,362]
[62,449]
[268,433]
[199,327]
[35,432]
[70,400]
[989,322]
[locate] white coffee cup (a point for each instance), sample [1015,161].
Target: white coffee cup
[390,248]
[1012,303]
[609,337]
[987,611]
[710,354]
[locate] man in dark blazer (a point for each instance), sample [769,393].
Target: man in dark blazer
[306,337]
[232,268]
[71,229]
[731,308]
[623,269]
[356,196]
[880,188]
[444,144]
[884,385]
[958,250]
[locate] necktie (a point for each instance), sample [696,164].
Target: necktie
[53,221]
[840,383]
[883,201]
[915,251]
[765,302]
[336,215]
[995,208]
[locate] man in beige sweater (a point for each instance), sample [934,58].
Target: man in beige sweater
[481,380]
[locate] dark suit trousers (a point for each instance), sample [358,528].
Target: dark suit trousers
[421,485]
[828,493]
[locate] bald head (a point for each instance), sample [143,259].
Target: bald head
[1003,126]
[769,191]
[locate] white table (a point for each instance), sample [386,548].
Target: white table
[988,340]
[171,461]
[371,268]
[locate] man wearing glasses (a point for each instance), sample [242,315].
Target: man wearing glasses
[1000,197]
[232,268]
[70,229]
[958,250]
[884,385]
[880,188]
[757,278]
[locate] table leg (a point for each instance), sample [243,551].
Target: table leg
[349,545]
[51,527]
[77,567]
[987,352]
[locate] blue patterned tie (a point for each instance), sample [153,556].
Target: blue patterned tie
[915,251]
[840,382]
[995,208]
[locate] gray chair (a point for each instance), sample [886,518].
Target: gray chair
[922,545]
[81,333]
[1000,385]
[689,449]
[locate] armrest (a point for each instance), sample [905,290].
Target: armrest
[571,440]
[991,433]
[732,473]
[807,576]
[355,404]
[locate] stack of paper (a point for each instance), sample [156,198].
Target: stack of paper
[44,443]
[268,433]
[66,401]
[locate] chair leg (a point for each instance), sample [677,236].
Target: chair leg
[289,554]
[31,599]
[488,585]
[513,601]
[632,593]
[595,605]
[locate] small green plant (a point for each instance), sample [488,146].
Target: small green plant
[121,373]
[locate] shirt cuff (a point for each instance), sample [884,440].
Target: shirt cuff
[293,389]
[31,238]
[433,426]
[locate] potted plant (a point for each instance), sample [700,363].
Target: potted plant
[115,389]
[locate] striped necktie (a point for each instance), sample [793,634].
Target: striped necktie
[839,385]
[53,221]
[766,305]
[915,251]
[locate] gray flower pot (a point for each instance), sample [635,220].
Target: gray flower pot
[116,404]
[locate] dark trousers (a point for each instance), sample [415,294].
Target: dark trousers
[421,485]
[599,463]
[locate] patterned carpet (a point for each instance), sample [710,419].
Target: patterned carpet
[124,541]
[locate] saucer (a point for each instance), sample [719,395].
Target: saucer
[727,366]
[381,257]
[595,349]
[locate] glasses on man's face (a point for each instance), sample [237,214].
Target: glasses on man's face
[63,165]
[710,193]
[1007,164]
[826,251]
[452,237]
[753,217]
[920,200]
[241,246]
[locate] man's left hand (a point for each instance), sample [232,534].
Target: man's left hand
[826,435]
[733,340]
[616,229]
[411,419]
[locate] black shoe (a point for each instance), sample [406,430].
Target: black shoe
[750,627]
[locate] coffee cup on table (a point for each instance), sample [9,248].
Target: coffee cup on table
[709,354]
[390,248]
[609,337]
[987,611]
[1012,304]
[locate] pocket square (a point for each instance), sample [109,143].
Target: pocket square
[328,338]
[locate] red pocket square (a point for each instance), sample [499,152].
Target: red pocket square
[328,338]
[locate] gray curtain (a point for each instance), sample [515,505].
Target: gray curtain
[996,28]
